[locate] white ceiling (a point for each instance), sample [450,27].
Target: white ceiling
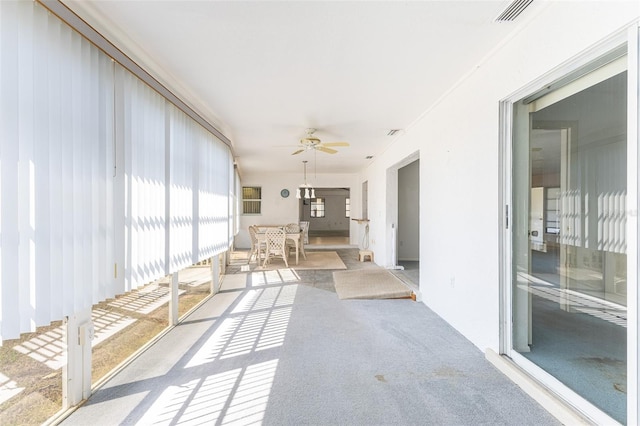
[264,71]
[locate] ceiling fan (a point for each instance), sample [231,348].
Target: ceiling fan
[311,142]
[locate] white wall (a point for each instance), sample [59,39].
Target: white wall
[278,210]
[459,164]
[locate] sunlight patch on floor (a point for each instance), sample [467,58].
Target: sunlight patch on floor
[200,401]
[107,324]
[276,276]
[259,321]
[8,388]
[49,348]
[244,334]
[236,397]
[266,298]
[249,402]
[146,300]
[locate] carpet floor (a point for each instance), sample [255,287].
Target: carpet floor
[369,284]
[275,349]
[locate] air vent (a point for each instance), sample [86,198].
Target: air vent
[513,10]
[393,132]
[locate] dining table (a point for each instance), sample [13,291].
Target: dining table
[296,237]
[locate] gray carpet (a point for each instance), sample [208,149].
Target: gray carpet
[291,353]
[584,352]
[588,353]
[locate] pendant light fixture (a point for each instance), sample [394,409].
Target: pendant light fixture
[309,192]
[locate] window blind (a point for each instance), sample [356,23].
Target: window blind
[105,185]
[56,131]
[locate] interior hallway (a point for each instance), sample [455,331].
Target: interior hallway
[279,348]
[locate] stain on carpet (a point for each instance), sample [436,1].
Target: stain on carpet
[381,378]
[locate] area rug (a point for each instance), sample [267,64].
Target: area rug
[369,284]
[314,260]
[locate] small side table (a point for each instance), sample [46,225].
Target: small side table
[363,254]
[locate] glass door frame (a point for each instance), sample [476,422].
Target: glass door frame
[630,37]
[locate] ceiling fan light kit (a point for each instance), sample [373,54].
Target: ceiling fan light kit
[310,142]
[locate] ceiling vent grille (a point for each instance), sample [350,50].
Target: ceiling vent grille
[513,10]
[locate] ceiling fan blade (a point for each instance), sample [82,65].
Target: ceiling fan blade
[327,150]
[298,151]
[335,144]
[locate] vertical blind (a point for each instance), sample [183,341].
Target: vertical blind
[105,185]
[181,195]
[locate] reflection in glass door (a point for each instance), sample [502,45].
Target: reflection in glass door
[569,283]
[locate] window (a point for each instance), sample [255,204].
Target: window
[251,200]
[552,211]
[347,207]
[317,207]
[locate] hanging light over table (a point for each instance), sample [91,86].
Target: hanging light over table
[309,192]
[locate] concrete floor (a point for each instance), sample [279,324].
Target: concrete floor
[280,348]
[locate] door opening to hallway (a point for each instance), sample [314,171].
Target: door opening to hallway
[328,215]
[408,229]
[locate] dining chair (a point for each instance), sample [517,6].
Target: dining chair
[257,247]
[304,225]
[291,228]
[276,245]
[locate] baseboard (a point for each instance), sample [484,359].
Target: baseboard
[549,401]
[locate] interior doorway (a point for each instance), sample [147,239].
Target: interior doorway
[408,229]
[403,219]
[328,215]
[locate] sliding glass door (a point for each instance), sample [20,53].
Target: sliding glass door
[568,243]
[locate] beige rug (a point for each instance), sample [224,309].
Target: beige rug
[369,284]
[314,260]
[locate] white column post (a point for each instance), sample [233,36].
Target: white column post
[173,302]
[76,373]
[215,274]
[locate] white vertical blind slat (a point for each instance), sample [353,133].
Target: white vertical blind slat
[9,236]
[57,110]
[66,175]
[42,190]
[26,121]
[92,183]
[119,191]
[127,118]
[106,282]
[76,226]
[197,145]
[134,233]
